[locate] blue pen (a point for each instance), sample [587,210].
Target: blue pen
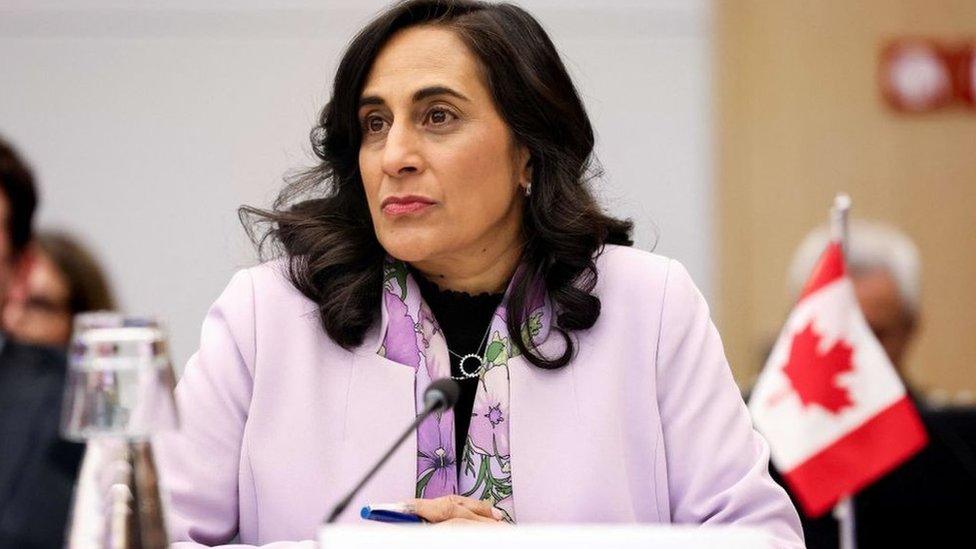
[389,512]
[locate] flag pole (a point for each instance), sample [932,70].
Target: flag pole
[838,219]
[844,513]
[844,510]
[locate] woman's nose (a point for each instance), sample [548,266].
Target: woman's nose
[401,151]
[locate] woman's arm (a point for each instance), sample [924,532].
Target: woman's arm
[200,465]
[717,462]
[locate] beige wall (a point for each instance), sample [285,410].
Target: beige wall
[800,118]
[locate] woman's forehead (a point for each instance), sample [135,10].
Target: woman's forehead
[423,57]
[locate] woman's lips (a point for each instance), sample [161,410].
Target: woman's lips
[404,208]
[396,206]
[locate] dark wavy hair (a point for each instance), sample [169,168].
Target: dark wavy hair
[321,222]
[17,184]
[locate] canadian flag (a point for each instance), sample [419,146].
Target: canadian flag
[828,401]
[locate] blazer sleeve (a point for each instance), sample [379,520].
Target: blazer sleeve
[717,462]
[200,464]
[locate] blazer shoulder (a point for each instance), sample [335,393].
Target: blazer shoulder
[629,275]
[627,267]
[267,284]
[265,295]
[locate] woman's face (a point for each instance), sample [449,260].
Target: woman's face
[440,168]
[42,315]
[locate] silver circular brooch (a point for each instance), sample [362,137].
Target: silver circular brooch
[465,374]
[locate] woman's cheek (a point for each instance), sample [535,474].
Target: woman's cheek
[371,178]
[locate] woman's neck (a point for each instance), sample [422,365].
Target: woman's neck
[486,269]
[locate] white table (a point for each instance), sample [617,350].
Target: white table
[394,536]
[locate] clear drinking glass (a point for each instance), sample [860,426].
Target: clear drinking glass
[120,381]
[119,393]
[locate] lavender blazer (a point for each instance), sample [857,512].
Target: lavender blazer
[645,425]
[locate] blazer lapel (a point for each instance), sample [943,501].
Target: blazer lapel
[544,415]
[379,407]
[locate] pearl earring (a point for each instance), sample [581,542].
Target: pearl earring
[528,188]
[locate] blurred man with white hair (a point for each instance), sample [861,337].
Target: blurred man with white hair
[884,266]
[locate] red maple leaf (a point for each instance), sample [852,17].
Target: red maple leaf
[814,375]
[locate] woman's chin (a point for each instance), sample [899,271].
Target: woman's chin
[411,248]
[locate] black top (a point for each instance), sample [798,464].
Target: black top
[464,319]
[37,467]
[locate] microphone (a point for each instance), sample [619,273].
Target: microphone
[440,395]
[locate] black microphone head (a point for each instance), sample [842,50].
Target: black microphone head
[443,393]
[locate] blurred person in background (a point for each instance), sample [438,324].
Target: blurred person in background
[64,279]
[930,495]
[37,468]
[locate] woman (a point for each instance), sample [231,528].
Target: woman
[64,280]
[451,232]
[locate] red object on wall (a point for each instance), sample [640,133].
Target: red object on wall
[964,73]
[917,75]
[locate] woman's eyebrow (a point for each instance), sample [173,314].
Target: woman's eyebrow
[371,100]
[419,95]
[431,91]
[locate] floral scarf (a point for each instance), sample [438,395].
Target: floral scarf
[412,337]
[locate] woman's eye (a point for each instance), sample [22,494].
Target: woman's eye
[439,117]
[374,124]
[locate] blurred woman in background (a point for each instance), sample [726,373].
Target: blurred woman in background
[64,280]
